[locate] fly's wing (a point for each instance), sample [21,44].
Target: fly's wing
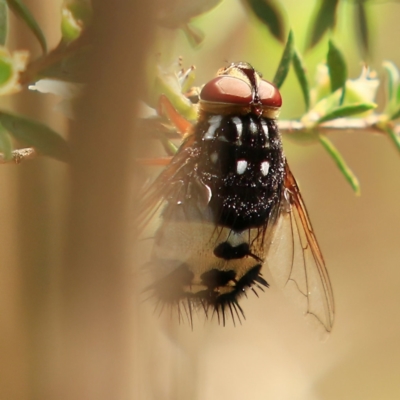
[161,207]
[295,259]
[167,186]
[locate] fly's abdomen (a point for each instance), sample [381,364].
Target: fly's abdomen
[207,265]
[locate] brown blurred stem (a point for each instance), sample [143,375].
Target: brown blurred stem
[99,343]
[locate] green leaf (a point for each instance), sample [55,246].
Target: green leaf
[3,22]
[75,16]
[269,13]
[327,103]
[325,18]
[22,11]
[284,64]
[392,80]
[361,26]
[341,163]
[337,68]
[5,144]
[393,136]
[346,111]
[392,90]
[397,95]
[35,134]
[300,71]
[70,29]
[6,70]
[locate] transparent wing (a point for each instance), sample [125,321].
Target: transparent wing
[169,185]
[295,259]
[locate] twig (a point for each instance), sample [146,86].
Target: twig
[367,125]
[345,125]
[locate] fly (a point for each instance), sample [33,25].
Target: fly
[228,206]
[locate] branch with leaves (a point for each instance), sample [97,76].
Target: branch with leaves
[334,103]
[329,110]
[16,74]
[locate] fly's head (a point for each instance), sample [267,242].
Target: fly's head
[239,89]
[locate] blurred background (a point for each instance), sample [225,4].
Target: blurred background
[71,323]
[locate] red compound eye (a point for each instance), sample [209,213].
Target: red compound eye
[227,89]
[269,94]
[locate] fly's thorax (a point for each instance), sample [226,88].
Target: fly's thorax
[242,161]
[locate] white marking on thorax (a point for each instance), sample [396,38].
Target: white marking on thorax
[253,127]
[214,157]
[265,128]
[215,122]
[241,166]
[264,167]
[239,126]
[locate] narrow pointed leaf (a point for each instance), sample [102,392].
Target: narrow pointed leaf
[395,137]
[362,28]
[325,18]
[3,22]
[76,15]
[337,67]
[346,111]
[270,14]
[6,71]
[392,92]
[300,71]
[36,134]
[397,95]
[5,144]
[284,64]
[22,11]
[341,163]
[392,81]
[325,105]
